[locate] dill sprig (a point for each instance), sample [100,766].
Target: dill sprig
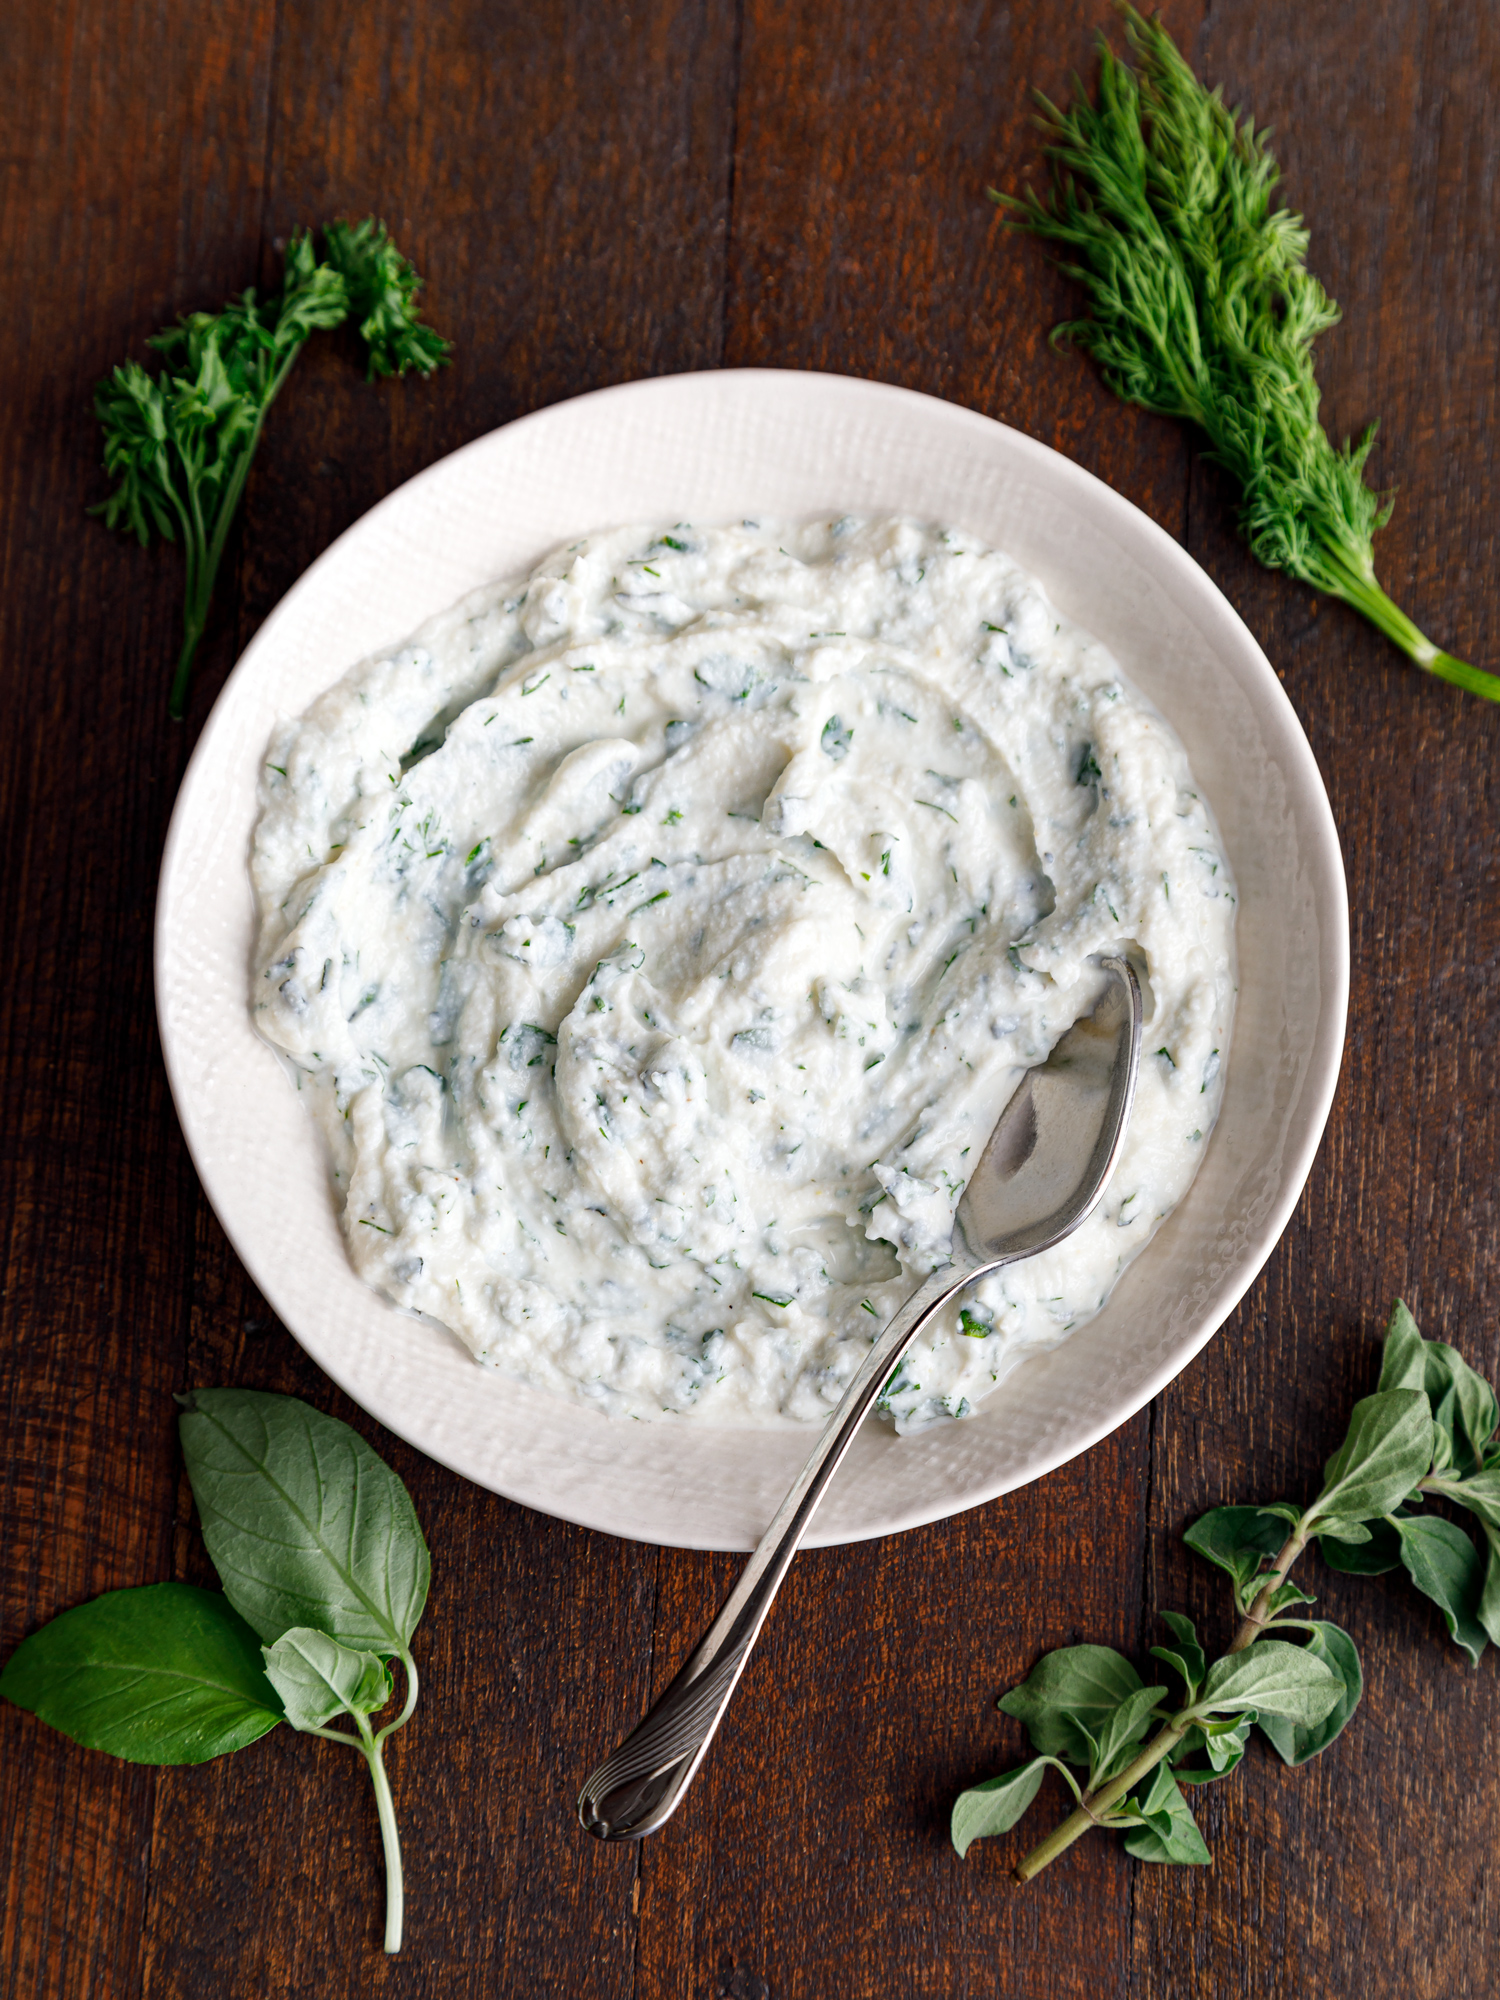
[1202,307]
[179,444]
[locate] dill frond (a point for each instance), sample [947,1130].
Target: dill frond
[1201,306]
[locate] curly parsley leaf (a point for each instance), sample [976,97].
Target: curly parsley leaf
[178,445]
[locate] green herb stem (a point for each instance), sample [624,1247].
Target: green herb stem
[204,553]
[1096,1806]
[1366,596]
[1255,1623]
[390,1839]
[371,1746]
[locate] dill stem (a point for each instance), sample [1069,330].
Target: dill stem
[1367,597]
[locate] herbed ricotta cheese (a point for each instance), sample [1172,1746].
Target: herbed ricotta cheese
[657,939]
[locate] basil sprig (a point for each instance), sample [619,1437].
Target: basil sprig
[1430,1429]
[325,1572]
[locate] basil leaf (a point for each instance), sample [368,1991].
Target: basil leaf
[996,1805]
[165,1674]
[1122,1733]
[1386,1450]
[1273,1678]
[1295,1742]
[1238,1539]
[1445,1566]
[1068,1697]
[305,1524]
[1170,1833]
[1463,1403]
[1379,1549]
[317,1678]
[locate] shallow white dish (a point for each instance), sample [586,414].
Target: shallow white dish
[715,447]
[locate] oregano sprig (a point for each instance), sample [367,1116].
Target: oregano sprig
[179,445]
[1429,1429]
[325,1572]
[1201,306]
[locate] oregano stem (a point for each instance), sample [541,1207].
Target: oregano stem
[1097,1804]
[1255,1619]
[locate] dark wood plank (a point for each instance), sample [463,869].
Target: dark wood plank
[570,213]
[131,188]
[1316,1889]
[812,1858]
[863,242]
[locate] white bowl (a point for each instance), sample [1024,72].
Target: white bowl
[708,448]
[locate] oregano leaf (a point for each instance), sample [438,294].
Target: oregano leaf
[1445,1566]
[996,1805]
[1464,1407]
[1237,1539]
[1403,1361]
[1169,1832]
[1273,1678]
[1068,1696]
[1222,1743]
[1386,1450]
[1297,1743]
[1374,1550]
[1122,1732]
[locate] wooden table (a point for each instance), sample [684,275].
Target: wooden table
[594,196]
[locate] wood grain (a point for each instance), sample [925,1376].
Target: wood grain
[596,195]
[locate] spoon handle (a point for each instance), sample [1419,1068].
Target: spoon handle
[637,1789]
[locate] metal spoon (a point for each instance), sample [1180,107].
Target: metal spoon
[1042,1172]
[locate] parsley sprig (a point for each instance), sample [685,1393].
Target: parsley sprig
[179,444]
[1202,307]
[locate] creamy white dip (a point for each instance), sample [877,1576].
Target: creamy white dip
[658,937]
